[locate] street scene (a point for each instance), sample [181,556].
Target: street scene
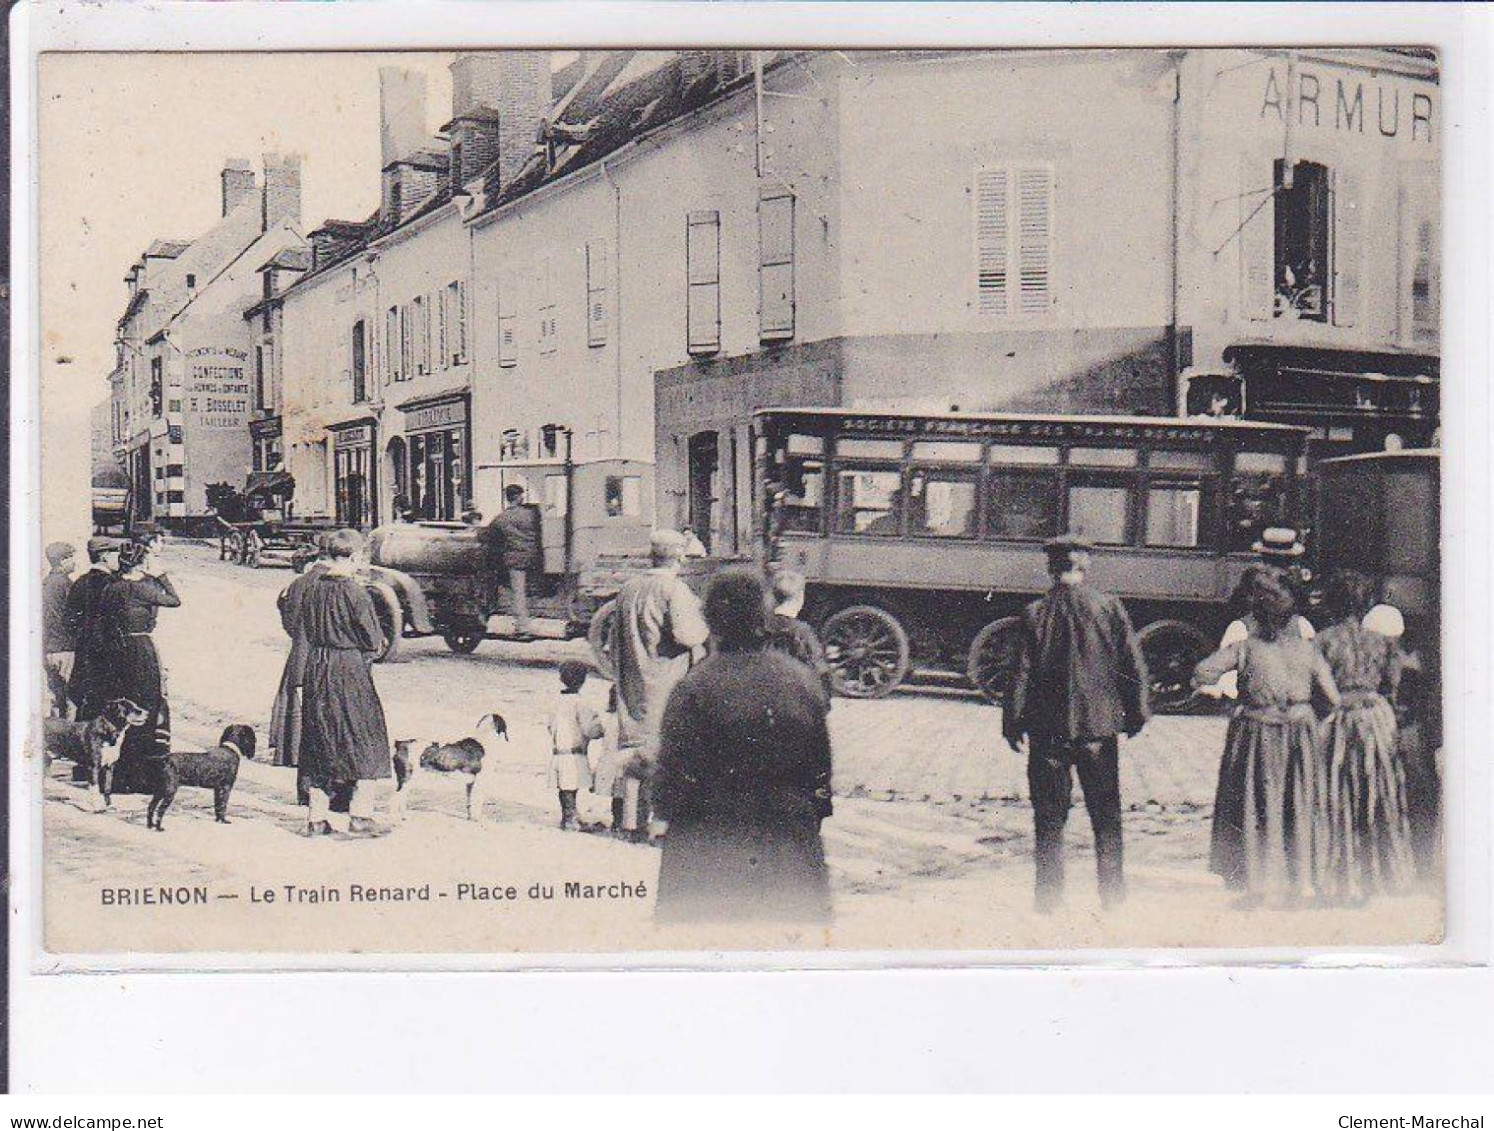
[762,500]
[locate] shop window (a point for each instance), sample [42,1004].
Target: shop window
[941,505]
[1303,218]
[703,282]
[597,309]
[1100,513]
[1022,507]
[1172,516]
[775,220]
[868,501]
[1014,239]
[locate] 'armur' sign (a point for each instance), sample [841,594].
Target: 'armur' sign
[1372,104]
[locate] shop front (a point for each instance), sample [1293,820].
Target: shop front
[354,484]
[434,472]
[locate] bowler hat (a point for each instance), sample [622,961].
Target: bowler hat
[1279,542]
[100,545]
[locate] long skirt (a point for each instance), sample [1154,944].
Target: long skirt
[131,669]
[344,737]
[1370,846]
[768,866]
[1268,839]
[285,714]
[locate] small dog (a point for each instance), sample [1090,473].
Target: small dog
[94,745]
[216,769]
[464,756]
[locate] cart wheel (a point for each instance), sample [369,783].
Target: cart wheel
[994,655]
[600,635]
[391,622]
[251,553]
[867,650]
[1172,648]
[465,636]
[236,548]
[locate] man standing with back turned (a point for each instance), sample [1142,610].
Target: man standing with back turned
[1080,682]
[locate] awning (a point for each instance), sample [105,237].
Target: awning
[269,482]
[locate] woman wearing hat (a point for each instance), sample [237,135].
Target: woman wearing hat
[1266,842]
[129,666]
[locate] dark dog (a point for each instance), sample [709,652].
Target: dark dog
[216,769]
[94,745]
[464,756]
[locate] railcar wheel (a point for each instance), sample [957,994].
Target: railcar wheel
[465,636]
[1172,649]
[994,655]
[867,650]
[600,636]
[391,623]
[251,553]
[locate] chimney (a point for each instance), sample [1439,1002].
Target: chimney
[524,98]
[282,195]
[402,125]
[238,183]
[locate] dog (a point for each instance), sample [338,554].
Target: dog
[94,745]
[216,769]
[464,756]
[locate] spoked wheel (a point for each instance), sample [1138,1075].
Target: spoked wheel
[994,655]
[1172,649]
[600,636]
[251,552]
[867,651]
[464,636]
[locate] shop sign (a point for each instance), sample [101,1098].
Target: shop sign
[445,415]
[358,437]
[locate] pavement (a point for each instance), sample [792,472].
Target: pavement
[929,847]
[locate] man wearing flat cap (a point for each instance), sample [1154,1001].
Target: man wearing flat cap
[57,640]
[1080,682]
[659,629]
[81,617]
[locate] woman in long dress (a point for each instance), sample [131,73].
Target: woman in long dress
[1367,823]
[127,664]
[344,739]
[285,714]
[743,776]
[1265,842]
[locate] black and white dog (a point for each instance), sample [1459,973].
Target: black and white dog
[465,756]
[94,745]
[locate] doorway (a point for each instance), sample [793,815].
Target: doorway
[704,465]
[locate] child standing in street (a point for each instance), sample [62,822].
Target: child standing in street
[573,726]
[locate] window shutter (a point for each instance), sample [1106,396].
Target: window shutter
[596,292]
[992,237]
[443,320]
[461,321]
[1348,246]
[1420,283]
[508,345]
[1034,239]
[1257,241]
[776,267]
[703,282]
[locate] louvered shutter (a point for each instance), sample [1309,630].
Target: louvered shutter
[597,280]
[776,267]
[1034,239]
[991,240]
[1348,246]
[1257,240]
[508,343]
[460,296]
[443,321]
[703,282]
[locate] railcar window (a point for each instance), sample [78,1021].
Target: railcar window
[947,451]
[1022,506]
[1103,457]
[1261,463]
[869,449]
[557,499]
[803,497]
[801,445]
[624,496]
[868,500]
[1037,455]
[1099,513]
[1181,461]
[942,505]
[1172,516]
[1255,502]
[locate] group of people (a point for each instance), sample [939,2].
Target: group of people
[1312,799]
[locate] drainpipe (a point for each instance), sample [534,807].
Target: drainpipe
[617,301]
[1174,352]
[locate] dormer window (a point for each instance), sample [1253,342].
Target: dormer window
[191,282]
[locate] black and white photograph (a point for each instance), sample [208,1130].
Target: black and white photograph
[607,501]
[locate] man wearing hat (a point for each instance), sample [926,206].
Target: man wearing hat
[57,641]
[1080,682]
[81,617]
[659,628]
[515,549]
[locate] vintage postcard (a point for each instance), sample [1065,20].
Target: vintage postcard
[597,502]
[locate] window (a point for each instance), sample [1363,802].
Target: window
[508,343]
[549,324]
[775,223]
[191,282]
[360,375]
[157,389]
[1258,498]
[947,451]
[596,293]
[456,297]
[392,348]
[422,321]
[941,504]
[1103,457]
[623,496]
[1172,515]
[174,406]
[443,314]
[406,345]
[801,496]
[1030,454]
[1302,214]
[1014,239]
[259,378]
[1100,513]
[869,449]
[868,500]
[1022,506]
[703,282]
[1180,461]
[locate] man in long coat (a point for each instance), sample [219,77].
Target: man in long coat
[285,715]
[1081,681]
[81,618]
[514,550]
[57,637]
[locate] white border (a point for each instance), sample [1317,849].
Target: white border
[42,1006]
